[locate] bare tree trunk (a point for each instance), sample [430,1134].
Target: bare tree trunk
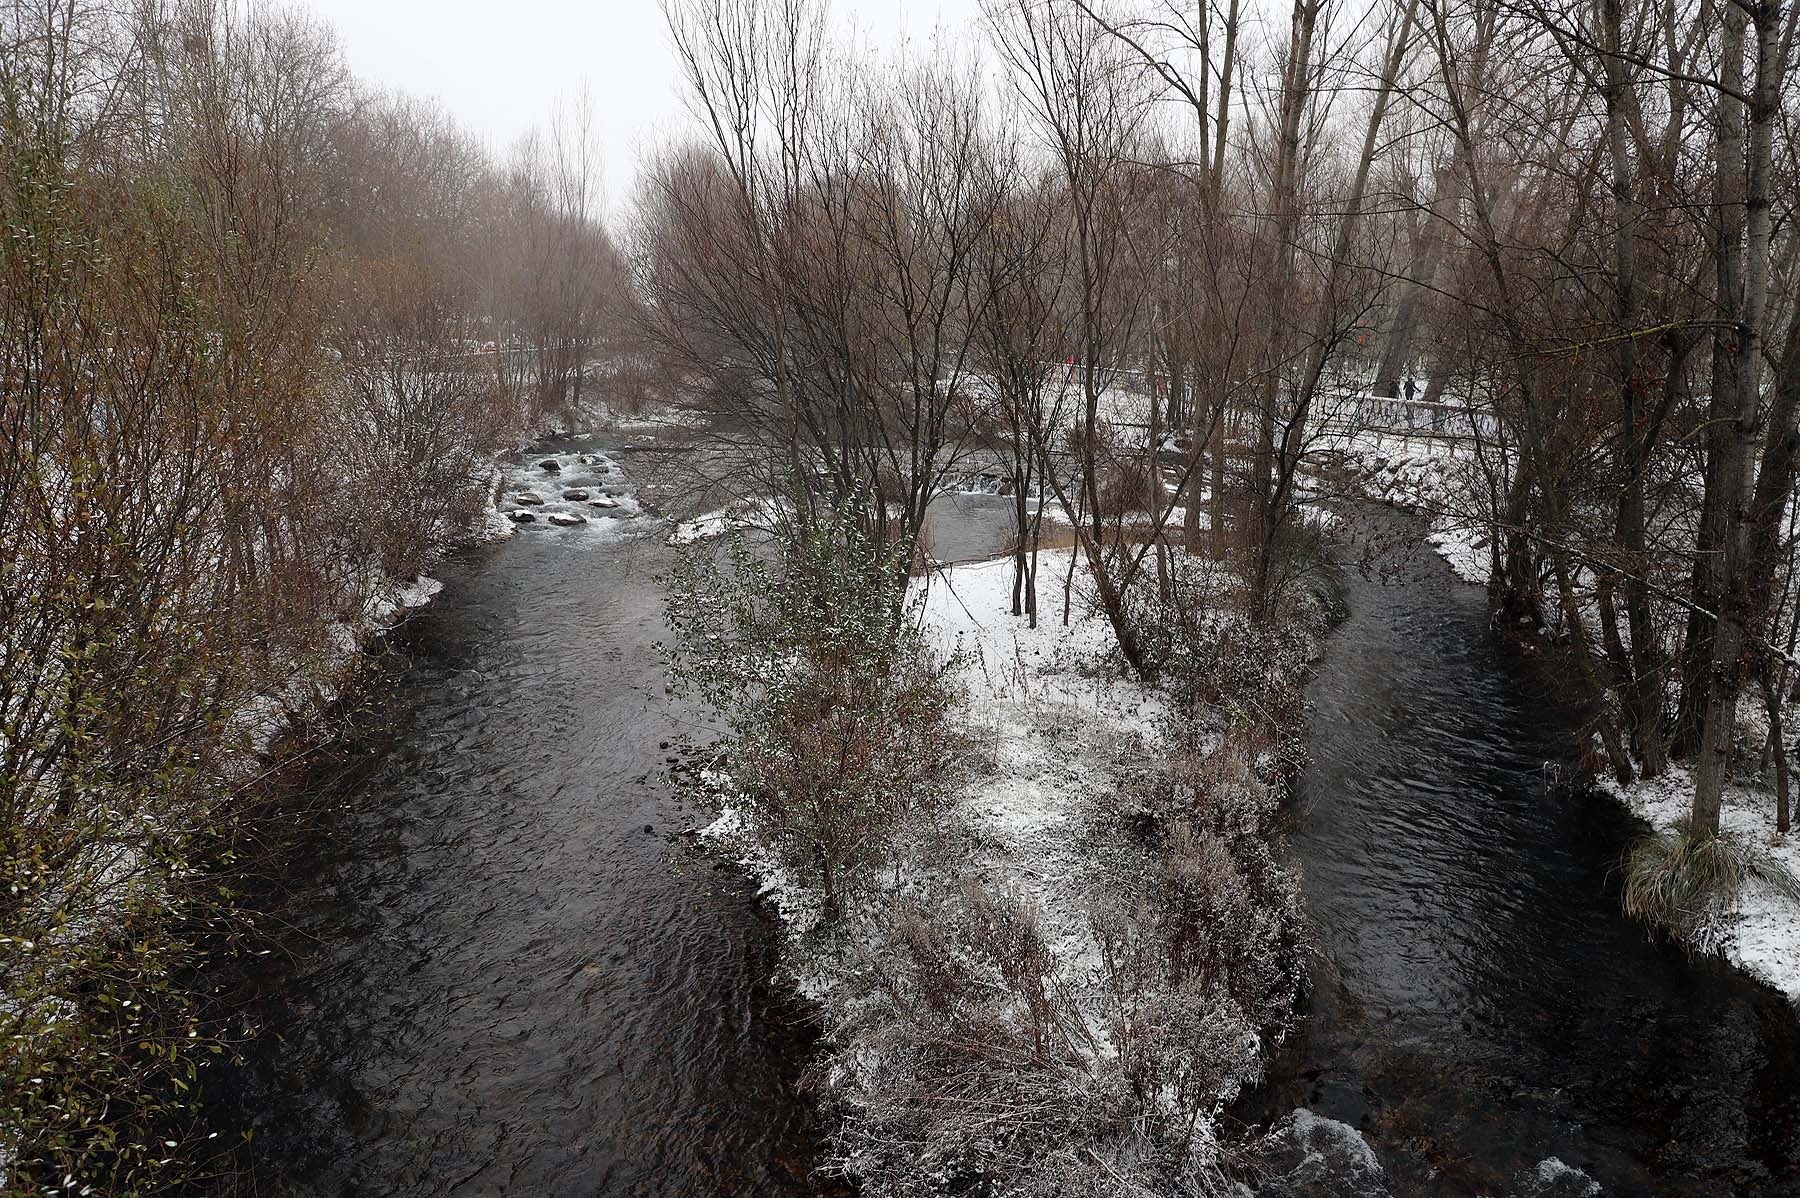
[1421,276]
[1708,580]
[1284,201]
[1777,748]
[1217,514]
[1737,472]
[1293,438]
[1590,674]
[1642,685]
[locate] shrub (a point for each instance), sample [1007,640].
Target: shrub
[836,711]
[1218,665]
[1012,1056]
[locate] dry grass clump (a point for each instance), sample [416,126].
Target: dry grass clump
[1681,880]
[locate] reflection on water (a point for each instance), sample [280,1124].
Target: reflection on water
[1483,1006]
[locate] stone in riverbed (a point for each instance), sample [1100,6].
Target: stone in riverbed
[603,501]
[566,519]
[522,517]
[550,466]
[531,497]
[575,494]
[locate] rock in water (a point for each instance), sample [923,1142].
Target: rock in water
[550,466]
[603,501]
[531,497]
[575,493]
[523,517]
[567,519]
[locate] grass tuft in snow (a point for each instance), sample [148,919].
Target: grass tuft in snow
[1682,881]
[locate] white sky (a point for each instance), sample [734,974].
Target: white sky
[500,66]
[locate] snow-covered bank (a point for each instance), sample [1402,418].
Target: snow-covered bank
[997,1002]
[1417,477]
[1759,932]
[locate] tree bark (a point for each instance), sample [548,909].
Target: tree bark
[1737,469]
[1641,686]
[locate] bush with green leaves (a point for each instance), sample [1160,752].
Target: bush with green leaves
[837,712]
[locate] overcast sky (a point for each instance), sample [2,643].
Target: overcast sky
[499,65]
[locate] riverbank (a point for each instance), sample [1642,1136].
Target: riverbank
[159,889]
[124,855]
[1757,929]
[1018,1000]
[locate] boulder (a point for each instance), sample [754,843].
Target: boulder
[567,519]
[550,466]
[576,494]
[603,501]
[523,517]
[531,497]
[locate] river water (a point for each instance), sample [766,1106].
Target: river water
[500,969]
[1484,1016]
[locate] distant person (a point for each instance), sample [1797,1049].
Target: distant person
[1412,387]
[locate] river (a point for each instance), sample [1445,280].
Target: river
[499,968]
[1482,1008]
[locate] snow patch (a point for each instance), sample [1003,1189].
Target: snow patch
[1760,933]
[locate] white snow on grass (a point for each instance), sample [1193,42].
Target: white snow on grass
[1048,715]
[1054,716]
[1426,478]
[705,527]
[738,517]
[1760,932]
[1463,546]
[968,609]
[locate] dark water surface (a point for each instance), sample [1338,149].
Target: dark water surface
[1483,1005]
[501,970]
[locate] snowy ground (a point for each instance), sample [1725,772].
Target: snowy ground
[1760,933]
[1423,476]
[743,516]
[1056,726]
[1048,717]
[1057,733]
